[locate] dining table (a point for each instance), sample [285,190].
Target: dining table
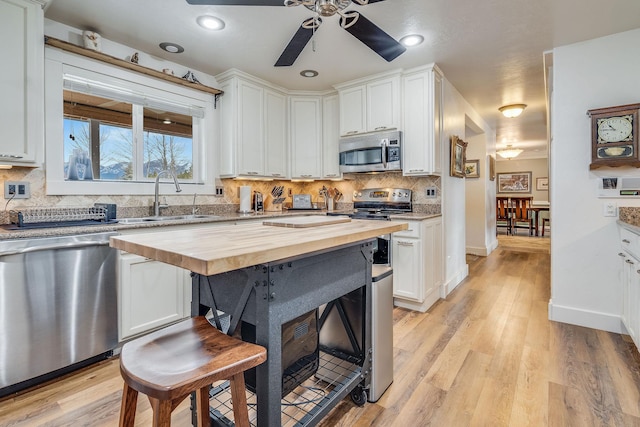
[267,275]
[536,207]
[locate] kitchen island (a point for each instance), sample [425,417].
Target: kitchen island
[266,276]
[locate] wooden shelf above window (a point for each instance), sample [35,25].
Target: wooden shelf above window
[69,47]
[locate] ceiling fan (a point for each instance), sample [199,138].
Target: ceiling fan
[352,21]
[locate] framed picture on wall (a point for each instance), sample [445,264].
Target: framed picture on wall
[542,184]
[472,168]
[492,168]
[458,157]
[514,182]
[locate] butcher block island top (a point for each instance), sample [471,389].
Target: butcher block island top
[214,250]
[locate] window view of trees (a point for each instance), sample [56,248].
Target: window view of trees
[103,129]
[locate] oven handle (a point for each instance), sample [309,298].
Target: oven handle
[73,245]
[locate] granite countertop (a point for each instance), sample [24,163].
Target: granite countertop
[629,215]
[100,228]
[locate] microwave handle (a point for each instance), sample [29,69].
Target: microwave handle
[384,144]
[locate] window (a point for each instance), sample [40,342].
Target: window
[116,135]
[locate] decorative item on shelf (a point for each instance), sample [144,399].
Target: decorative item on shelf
[472,168]
[458,157]
[92,40]
[190,77]
[134,58]
[614,136]
[512,110]
[509,152]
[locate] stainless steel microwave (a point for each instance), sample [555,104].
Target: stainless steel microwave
[372,152]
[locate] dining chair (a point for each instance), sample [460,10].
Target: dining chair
[522,215]
[503,214]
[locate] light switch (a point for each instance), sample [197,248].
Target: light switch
[610,209]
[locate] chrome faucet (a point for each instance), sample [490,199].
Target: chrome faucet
[156,202]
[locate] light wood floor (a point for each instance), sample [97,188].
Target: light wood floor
[485,356]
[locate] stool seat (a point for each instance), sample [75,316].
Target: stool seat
[169,364]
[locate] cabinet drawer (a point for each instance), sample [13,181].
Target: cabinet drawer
[412,231]
[630,242]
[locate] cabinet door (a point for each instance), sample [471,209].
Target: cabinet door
[421,151]
[632,300]
[152,294]
[407,269]
[250,129]
[383,104]
[227,152]
[330,137]
[21,83]
[432,260]
[275,136]
[306,143]
[353,110]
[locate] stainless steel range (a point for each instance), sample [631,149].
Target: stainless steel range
[371,204]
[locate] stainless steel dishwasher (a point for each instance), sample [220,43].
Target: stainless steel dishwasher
[58,306]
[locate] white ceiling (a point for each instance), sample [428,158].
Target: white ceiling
[490,50]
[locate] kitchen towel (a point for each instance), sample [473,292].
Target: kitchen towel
[245,198]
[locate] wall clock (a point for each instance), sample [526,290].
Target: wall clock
[614,136]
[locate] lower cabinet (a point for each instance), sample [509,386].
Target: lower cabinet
[152,294]
[630,257]
[417,264]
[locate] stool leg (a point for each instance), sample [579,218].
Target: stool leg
[239,401]
[161,412]
[128,406]
[202,407]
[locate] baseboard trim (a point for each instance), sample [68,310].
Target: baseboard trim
[586,318]
[480,251]
[449,285]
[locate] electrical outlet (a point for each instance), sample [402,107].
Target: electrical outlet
[431,192]
[17,190]
[609,208]
[219,191]
[289,192]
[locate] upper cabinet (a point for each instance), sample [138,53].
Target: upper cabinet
[422,126]
[330,137]
[22,82]
[253,129]
[306,137]
[369,105]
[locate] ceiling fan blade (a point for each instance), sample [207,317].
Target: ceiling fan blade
[237,2]
[371,35]
[298,42]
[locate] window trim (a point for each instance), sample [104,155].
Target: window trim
[58,63]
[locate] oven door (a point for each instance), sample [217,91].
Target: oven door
[382,250]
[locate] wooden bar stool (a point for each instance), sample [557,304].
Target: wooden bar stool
[169,364]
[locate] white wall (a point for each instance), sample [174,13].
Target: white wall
[457,113]
[585,278]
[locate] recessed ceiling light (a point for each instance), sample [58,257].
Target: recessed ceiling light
[210,22]
[512,110]
[411,40]
[171,47]
[308,73]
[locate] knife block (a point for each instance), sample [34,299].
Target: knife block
[269,206]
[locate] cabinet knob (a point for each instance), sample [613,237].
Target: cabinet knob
[351,132]
[276,174]
[622,255]
[628,261]
[11,156]
[402,243]
[380,128]
[331,174]
[625,241]
[416,170]
[252,173]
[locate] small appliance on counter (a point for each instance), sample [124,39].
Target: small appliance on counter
[258,202]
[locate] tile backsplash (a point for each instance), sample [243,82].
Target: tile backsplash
[140,205]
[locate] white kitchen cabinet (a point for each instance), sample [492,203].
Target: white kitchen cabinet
[22,82]
[330,137]
[253,128]
[630,258]
[417,264]
[306,137]
[370,105]
[152,294]
[422,122]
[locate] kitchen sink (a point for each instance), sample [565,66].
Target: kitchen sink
[164,218]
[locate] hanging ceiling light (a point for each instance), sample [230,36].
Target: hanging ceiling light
[509,152]
[512,110]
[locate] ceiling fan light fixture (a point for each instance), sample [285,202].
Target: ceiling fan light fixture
[210,22]
[171,47]
[308,73]
[411,40]
[509,152]
[512,110]
[327,7]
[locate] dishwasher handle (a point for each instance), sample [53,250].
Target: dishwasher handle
[72,245]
